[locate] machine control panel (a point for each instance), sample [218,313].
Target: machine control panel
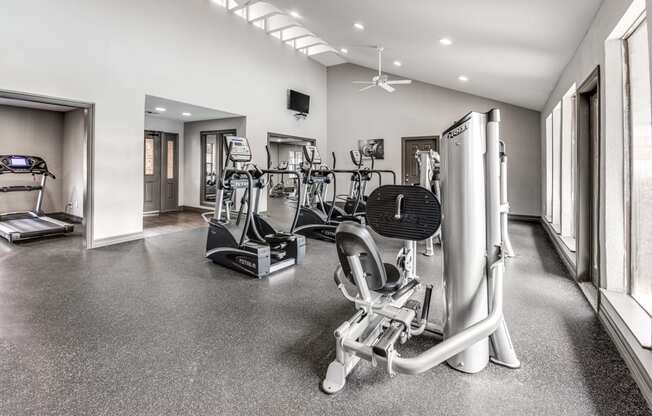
[240,150]
[22,164]
[356,157]
[311,153]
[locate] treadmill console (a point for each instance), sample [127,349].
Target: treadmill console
[240,150]
[356,157]
[311,153]
[23,164]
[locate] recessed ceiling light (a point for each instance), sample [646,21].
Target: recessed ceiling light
[398,63]
[446,41]
[463,78]
[186,114]
[160,109]
[358,26]
[344,50]
[295,14]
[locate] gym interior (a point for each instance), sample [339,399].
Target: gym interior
[310,207]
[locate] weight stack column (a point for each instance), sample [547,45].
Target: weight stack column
[464,235]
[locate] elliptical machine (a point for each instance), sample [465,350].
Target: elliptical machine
[313,221]
[251,253]
[356,202]
[475,331]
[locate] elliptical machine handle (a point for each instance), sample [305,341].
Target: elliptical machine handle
[269,157]
[334,160]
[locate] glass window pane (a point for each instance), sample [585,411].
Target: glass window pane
[640,167]
[548,212]
[170,161]
[149,156]
[556,168]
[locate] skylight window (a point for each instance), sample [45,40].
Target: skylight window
[277,23]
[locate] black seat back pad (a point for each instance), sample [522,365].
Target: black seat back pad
[420,212]
[353,239]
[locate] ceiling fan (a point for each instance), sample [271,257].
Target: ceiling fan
[382,80]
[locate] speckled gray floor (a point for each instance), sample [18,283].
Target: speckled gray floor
[151,328]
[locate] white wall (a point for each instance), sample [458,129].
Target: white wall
[105,52]
[171,126]
[26,131]
[422,110]
[192,164]
[72,174]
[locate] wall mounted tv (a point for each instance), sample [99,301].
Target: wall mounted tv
[298,102]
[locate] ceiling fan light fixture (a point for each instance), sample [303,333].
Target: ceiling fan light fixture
[358,26]
[446,41]
[295,14]
[398,63]
[463,78]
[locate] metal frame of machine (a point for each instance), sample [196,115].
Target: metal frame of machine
[258,256]
[23,225]
[475,331]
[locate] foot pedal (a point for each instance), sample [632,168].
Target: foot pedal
[413,304]
[278,254]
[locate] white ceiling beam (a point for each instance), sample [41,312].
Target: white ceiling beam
[276,29]
[305,35]
[324,48]
[244,4]
[310,45]
[265,16]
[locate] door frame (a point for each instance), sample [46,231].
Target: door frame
[584,206]
[88,153]
[220,160]
[433,137]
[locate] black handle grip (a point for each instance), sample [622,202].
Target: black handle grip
[425,308]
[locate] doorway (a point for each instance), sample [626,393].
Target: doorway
[161,176]
[212,162]
[78,149]
[588,180]
[285,153]
[409,148]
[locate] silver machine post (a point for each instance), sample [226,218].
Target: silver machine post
[39,196]
[428,161]
[473,243]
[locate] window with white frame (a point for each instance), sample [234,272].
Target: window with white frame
[548,208]
[568,168]
[561,168]
[638,118]
[556,168]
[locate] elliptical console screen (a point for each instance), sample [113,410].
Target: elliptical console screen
[240,150]
[18,162]
[312,155]
[356,157]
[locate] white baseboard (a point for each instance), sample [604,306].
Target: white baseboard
[108,241]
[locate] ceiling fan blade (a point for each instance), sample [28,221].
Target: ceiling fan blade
[400,82]
[386,87]
[366,88]
[364,82]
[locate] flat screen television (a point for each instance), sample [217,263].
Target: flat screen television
[298,102]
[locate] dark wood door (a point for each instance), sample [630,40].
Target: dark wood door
[152,192]
[170,172]
[409,166]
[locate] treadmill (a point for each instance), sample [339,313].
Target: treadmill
[16,226]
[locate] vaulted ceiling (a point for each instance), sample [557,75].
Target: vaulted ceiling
[510,50]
